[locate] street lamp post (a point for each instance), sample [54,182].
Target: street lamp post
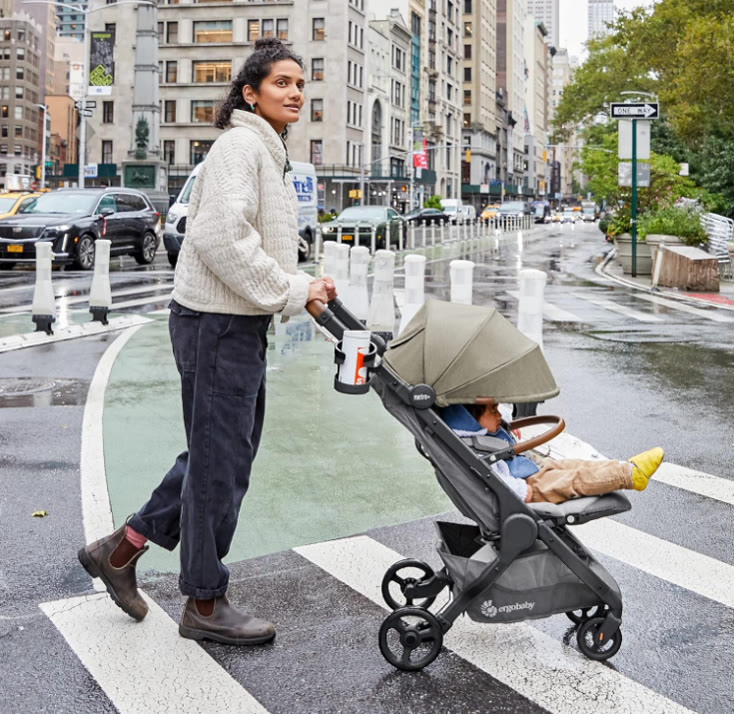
[85,11]
[44,108]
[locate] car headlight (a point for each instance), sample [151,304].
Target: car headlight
[328,229]
[58,229]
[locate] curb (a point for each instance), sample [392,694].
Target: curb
[600,270]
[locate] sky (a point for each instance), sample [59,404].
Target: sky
[574,18]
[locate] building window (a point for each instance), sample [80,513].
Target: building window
[18,150]
[19,92]
[4,111]
[7,35]
[169,111]
[317,152]
[106,151]
[467,96]
[19,113]
[108,112]
[467,29]
[171,71]
[467,7]
[318,31]
[467,121]
[169,152]
[253,30]
[4,148]
[206,71]
[18,132]
[110,27]
[216,31]
[19,73]
[198,151]
[4,131]
[282,29]
[268,28]
[161,28]
[20,53]
[317,110]
[172,32]
[202,111]
[317,68]
[467,74]
[467,51]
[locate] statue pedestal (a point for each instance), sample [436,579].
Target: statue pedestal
[149,176]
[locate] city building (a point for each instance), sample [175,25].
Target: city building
[600,12]
[62,147]
[45,15]
[68,67]
[20,113]
[537,105]
[547,12]
[70,23]
[388,109]
[565,155]
[480,181]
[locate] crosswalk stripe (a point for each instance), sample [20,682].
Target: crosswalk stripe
[146,666]
[698,482]
[550,311]
[690,570]
[712,314]
[166,297]
[538,667]
[621,309]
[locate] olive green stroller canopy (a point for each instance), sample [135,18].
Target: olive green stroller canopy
[465,352]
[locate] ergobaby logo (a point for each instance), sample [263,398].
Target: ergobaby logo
[489,610]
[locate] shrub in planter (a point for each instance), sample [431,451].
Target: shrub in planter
[683,223]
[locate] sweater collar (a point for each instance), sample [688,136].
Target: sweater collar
[276,145]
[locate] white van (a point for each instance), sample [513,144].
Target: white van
[452,208]
[304,180]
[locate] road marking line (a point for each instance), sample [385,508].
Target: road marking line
[693,571]
[621,309]
[141,301]
[96,509]
[550,311]
[675,305]
[539,667]
[63,301]
[146,666]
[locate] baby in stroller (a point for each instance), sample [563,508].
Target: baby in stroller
[555,481]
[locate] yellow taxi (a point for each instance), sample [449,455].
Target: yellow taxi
[489,211]
[557,217]
[14,201]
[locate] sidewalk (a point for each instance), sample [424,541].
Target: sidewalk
[609,268]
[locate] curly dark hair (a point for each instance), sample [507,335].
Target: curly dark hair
[257,66]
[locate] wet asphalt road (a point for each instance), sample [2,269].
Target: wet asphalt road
[625,385]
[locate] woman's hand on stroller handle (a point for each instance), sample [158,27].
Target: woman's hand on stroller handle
[322,290]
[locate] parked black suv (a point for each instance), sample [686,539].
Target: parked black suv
[72,220]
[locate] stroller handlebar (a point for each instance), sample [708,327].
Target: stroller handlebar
[558,426]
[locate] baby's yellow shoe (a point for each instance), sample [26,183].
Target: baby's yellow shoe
[644,465]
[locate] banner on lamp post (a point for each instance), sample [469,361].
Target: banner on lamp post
[101,62]
[420,155]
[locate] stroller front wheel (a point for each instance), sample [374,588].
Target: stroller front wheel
[410,638]
[586,638]
[583,614]
[404,574]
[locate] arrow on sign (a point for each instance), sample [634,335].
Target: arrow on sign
[644,110]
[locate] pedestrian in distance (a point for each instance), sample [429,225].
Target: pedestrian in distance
[555,481]
[237,269]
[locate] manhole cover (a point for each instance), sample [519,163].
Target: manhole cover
[24,385]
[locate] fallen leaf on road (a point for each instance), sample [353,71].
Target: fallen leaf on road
[39,514]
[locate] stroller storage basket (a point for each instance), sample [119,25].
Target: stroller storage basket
[535,585]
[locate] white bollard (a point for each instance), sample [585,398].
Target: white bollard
[339,233]
[530,308]
[401,238]
[412,236]
[381,316]
[373,239]
[43,308]
[443,233]
[100,294]
[415,275]
[462,281]
[358,299]
[433,232]
[659,256]
[341,270]
[317,239]
[329,258]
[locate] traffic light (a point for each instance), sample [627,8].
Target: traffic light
[403,189]
[38,171]
[467,156]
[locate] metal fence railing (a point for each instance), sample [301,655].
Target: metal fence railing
[720,231]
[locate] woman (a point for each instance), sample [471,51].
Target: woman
[237,268]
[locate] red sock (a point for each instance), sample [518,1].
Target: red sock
[135,538]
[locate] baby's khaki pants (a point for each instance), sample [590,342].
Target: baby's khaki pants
[557,481]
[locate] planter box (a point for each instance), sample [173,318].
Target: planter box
[623,244]
[655,239]
[689,268]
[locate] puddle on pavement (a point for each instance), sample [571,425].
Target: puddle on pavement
[637,336]
[39,392]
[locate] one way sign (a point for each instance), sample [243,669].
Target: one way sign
[639,110]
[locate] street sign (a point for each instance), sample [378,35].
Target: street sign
[624,174]
[637,110]
[90,171]
[625,139]
[91,104]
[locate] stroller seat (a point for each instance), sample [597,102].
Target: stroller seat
[584,509]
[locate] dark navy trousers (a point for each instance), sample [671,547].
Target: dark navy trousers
[221,360]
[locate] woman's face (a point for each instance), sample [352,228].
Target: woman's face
[280,98]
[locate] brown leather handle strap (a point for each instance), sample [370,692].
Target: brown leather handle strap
[559,426]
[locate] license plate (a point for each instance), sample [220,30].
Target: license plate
[347,237]
[15,249]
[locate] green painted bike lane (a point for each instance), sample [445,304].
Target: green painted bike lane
[329,465]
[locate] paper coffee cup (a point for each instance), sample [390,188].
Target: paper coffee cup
[355,345]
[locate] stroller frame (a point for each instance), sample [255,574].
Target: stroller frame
[521,526]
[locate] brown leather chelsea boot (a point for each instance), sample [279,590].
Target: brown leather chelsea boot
[226,624]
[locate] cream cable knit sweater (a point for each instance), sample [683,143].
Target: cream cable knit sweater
[240,255]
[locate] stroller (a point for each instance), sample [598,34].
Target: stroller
[520,561]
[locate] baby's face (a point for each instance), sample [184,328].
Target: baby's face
[491,418]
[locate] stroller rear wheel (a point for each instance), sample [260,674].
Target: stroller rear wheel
[586,638]
[584,613]
[410,638]
[401,575]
